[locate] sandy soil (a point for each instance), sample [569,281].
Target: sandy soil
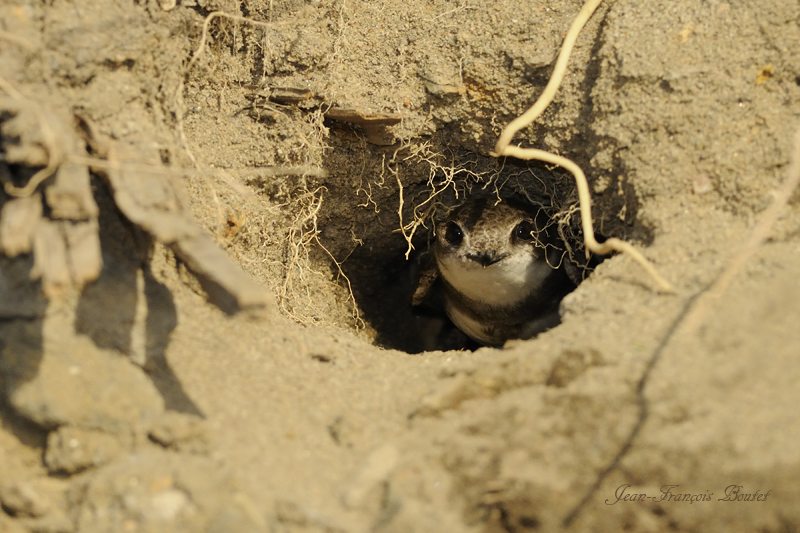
[134,404]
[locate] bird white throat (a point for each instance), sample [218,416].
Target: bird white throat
[499,267]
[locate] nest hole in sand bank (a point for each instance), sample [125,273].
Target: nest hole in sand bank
[382,207]
[335,243]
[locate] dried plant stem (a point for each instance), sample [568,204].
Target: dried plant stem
[503,148]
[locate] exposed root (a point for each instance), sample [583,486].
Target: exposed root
[201,48]
[694,311]
[644,412]
[705,302]
[503,148]
[441,178]
[55,155]
[357,320]
[223,175]
[301,234]
[295,299]
[379,183]
[24,43]
[12,92]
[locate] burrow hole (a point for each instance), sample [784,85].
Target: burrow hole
[434,181]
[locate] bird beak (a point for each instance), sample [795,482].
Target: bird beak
[486,259]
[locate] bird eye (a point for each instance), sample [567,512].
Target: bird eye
[525,231]
[453,234]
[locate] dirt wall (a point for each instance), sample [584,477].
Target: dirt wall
[146,396]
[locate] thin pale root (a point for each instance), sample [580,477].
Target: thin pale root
[695,317]
[502,148]
[54,155]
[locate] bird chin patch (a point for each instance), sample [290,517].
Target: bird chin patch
[504,283]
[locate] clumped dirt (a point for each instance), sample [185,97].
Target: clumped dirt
[315,151]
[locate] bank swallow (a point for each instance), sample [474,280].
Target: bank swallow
[497,271]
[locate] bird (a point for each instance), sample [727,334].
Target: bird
[497,269]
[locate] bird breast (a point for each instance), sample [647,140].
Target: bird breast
[507,282]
